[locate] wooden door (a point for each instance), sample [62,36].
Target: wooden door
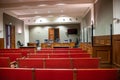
[53,34]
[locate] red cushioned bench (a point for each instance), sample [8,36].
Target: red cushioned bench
[30,63]
[58,74]
[38,56]
[61,63]
[9,50]
[46,48]
[77,51]
[16,74]
[45,51]
[80,55]
[4,62]
[97,74]
[60,51]
[12,56]
[53,74]
[59,56]
[85,63]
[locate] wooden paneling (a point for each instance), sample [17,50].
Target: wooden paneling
[87,47]
[53,45]
[116,50]
[102,40]
[101,48]
[12,37]
[1,43]
[103,52]
[32,44]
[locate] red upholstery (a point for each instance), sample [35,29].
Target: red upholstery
[85,63]
[80,55]
[60,56]
[12,56]
[60,51]
[30,63]
[4,62]
[58,74]
[97,74]
[23,52]
[58,63]
[77,51]
[53,74]
[38,56]
[45,51]
[9,50]
[15,74]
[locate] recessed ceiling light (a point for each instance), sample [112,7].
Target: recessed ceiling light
[36,12]
[42,5]
[61,11]
[60,4]
[49,11]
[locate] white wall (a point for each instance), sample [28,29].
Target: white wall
[1,23]
[26,35]
[116,14]
[103,10]
[41,32]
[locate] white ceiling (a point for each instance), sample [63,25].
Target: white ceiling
[44,8]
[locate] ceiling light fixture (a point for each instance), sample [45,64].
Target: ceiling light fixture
[42,5]
[49,11]
[60,4]
[61,11]
[36,12]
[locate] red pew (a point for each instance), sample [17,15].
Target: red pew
[4,62]
[16,74]
[85,62]
[12,56]
[61,51]
[59,56]
[77,51]
[45,51]
[80,55]
[38,56]
[30,63]
[97,74]
[53,74]
[58,63]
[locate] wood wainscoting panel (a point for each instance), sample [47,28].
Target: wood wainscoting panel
[104,55]
[1,43]
[116,50]
[103,52]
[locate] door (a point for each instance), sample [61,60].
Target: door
[10,36]
[54,34]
